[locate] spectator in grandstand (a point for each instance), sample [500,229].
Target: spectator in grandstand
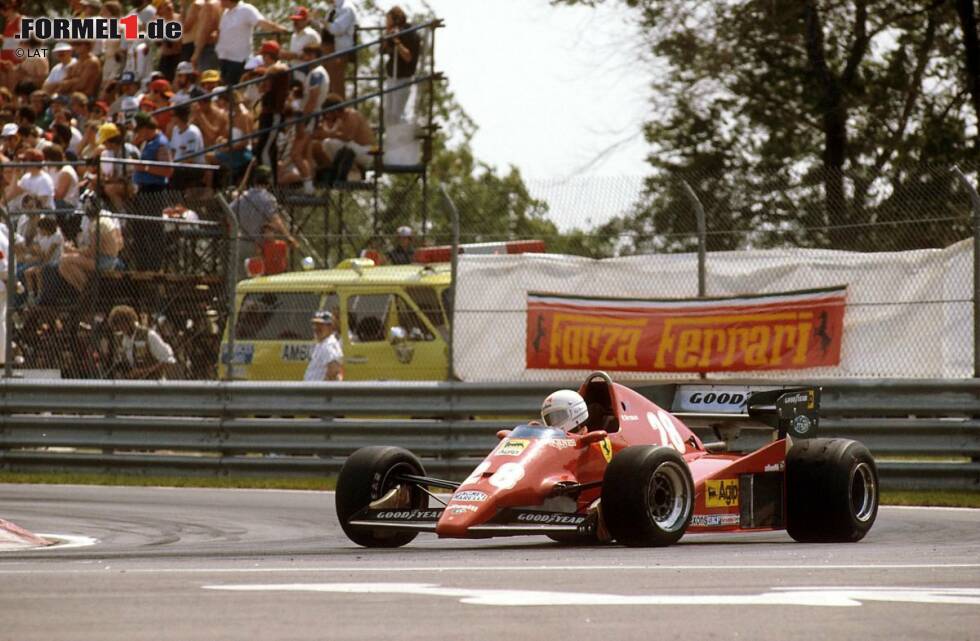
[186,144]
[315,89]
[198,37]
[79,109]
[270,52]
[99,246]
[236,158]
[210,118]
[404,251]
[33,181]
[275,94]
[403,59]
[138,61]
[86,74]
[46,250]
[34,66]
[343,142]
[64,177]
[169,50]
[114,179]
[303,35]
[10,140]
[338,35]
[139,352]
[113,55]
[235,31]
[158,97]
[62,52]
[127,102]
[327,358]
[150,180]
[11,29]
[255,209]
[145,11]
[185,80]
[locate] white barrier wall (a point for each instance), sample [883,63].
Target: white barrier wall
[909,314]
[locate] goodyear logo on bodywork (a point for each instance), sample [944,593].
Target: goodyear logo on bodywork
[721,493]
[513,447]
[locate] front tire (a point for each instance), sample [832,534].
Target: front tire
[368,475]
[831,491]
[647,496]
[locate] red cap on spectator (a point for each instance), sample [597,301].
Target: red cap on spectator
[162,85]
[302,13]
[270,46]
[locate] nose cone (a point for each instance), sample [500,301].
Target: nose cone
[475,508]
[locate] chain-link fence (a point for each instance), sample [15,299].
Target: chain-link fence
[909,276]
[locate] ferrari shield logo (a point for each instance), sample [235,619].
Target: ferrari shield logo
[605,446]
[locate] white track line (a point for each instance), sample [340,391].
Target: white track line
[506,568]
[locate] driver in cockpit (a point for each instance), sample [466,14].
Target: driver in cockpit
[565,410]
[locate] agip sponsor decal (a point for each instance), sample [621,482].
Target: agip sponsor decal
[513,447]
[721,493]
[792,330]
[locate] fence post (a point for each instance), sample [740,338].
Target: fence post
[10,292]
[702,238]
[975,201]
[451,313]
[231,280]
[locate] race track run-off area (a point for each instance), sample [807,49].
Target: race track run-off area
[161,564]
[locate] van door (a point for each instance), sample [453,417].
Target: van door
[388,338]
[273,335]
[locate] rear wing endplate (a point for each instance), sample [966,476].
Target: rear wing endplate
[788,410]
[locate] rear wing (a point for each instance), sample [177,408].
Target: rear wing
[792,411]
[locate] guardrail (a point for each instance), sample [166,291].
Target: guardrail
[273,429]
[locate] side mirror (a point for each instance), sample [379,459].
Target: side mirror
[502,434]
[591,437]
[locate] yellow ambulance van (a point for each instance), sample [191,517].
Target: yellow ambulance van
[392,322]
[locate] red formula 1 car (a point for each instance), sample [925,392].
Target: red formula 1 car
[639,475]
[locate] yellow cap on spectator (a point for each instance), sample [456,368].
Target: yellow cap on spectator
[107,131]
[211,75]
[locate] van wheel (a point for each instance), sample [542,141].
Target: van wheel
[369,475]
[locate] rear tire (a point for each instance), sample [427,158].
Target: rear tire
[366,476]
[647,496]
[831,491]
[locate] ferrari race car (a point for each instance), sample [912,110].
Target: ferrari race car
[638,475]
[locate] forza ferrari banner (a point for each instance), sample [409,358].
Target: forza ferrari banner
[790,330]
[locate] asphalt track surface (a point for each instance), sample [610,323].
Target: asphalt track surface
[187,564]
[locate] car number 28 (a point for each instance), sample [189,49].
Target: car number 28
[663,423]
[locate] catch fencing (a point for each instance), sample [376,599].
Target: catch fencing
[924,434]
[183,290]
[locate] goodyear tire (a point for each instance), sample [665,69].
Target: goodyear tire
[831,491]
[647,496]
[367,476]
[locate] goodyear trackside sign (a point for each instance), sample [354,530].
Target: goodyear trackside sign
[791,330]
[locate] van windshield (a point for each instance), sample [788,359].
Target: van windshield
[270,316]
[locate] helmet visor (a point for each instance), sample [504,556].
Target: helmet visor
[556,417]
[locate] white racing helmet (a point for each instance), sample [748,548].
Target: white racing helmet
[564,410]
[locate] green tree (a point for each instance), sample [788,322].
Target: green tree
[809,121]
